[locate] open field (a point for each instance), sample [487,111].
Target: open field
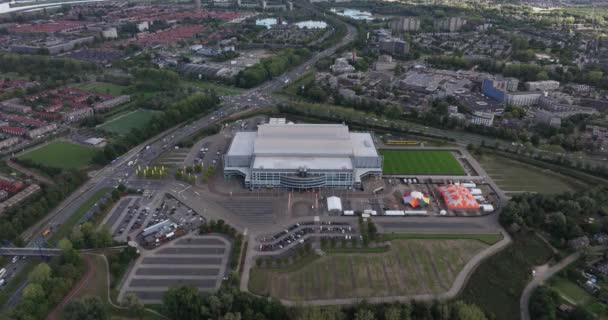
[102,88]
[420,162]
[498,282]
[570,291]
[515,177]
[62,155]
[122,124]
[488,239]
[411,266]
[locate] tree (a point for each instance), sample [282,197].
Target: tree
[182,303]
[135,306]
[40,274]
[465,311]
[392,313]
[364,314]
[86,309]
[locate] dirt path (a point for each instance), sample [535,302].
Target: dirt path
[29,172]
[55,313]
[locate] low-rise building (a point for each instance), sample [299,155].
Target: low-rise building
[15,106]
[78,115]
[520,99]
[482,118]
[38,132]
[547,85]
[111,103]
[9,142]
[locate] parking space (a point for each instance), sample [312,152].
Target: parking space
[199,261]
[121,215]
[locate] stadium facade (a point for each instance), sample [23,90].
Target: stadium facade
[302,156]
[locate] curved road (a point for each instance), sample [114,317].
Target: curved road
[539,279]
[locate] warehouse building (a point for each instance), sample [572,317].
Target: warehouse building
[302,156]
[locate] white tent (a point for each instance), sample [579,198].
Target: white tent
[334,204]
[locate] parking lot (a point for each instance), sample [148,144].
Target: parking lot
[199,261]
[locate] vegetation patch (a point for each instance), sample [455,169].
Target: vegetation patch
[61,154]
[498,282]
[420,162]
[102,88]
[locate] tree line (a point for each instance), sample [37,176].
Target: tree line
[563,216]
[229,303]
[19,218]
[49,283]
[44,68]
[271,67]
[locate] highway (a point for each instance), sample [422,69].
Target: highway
[148,151]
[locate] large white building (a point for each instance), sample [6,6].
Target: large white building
[302,156]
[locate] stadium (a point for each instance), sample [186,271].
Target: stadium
[302,156]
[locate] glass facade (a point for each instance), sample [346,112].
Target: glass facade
[290,179]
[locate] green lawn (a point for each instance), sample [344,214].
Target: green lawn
[62,155]
[122,124]
[488,239]
[102,88]
[570,291]
[66,228]
[422,162]
[515,177]
[497,284]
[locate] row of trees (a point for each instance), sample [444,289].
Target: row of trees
[271,67]
[229,303]
[565,216]
[49,283]
[150,79]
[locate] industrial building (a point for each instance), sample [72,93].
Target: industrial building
[302,156]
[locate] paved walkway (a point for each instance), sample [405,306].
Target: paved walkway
[539,279]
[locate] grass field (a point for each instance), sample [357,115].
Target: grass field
[411,266]
[101,88]
[421,162]
[62,155]
[570,291]
[122,124]
[515,177]
[498,282]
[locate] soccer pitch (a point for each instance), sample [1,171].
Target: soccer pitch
[421,162]
[62,155]
[124,123]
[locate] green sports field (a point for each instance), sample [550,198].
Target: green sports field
[122,124]
[62,155]
[420,162]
